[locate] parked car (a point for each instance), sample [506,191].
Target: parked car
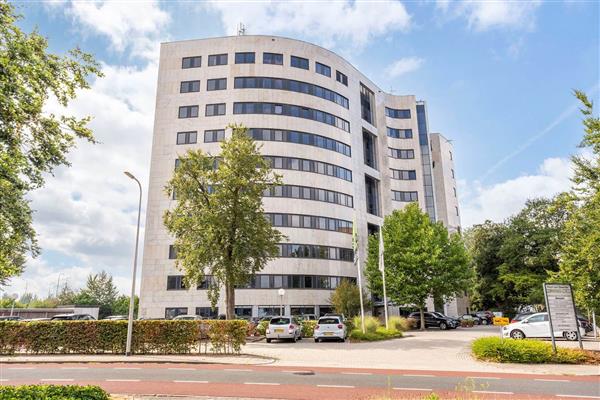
[585,323]
[471,317]
[433,320]
[453,323]
[341,316]
[35,319]
[520,317]
[284,328]
[330,327]
[116,318]
[536,326]
[73,317]
[187,318]
[486,317]
[308,317]
[10,318]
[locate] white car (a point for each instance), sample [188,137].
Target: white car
[536,326]
[331,327]
[187,318]
[284,328]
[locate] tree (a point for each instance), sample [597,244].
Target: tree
[32,142]
[121,306]
[218,221]
[345,299]
[99,291]
[421,260]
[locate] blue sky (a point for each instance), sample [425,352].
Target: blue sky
[497,77]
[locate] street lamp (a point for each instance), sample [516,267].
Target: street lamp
[14,298]
[132,298]
[281,293]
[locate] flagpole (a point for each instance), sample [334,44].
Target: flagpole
[382,269]
[357,261]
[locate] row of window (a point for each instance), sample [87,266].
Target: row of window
[246,311]
[291,111]
[211,85]
[210,111]
[404,196]
[266,281]
[268,58]
[318,167]
[404,175]
[292,86]
[399,133]
[309,222]
[395,113]
[310,193]
[315,251]
[401,153]
[310,139]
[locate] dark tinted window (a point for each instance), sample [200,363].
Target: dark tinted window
[299,62]
[186,137]
[217,59]
[279,321]
[191,62]
[216,135]
[400,133]
[273,58]
[189,86]
[188,112]
[399,114]
[216,84]
[244,58]
[343,79]
[306,138]
[328,321]
[215,109]
[322,69]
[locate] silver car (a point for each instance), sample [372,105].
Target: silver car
[284,328]
[331,327]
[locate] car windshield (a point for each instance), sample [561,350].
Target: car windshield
[326,321]
[280,321]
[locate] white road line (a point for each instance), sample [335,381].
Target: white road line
[552,380]
[237,370]
[190,381]
[483,377]
[15,368]
[73,367]
[126,368]
[336,386]
[262,383]
[421,389]
[122,380]
[3,380]
[56,380]
[491,392]
[574,396]
[422,375]
[356,373]
[295,372]
[182,369]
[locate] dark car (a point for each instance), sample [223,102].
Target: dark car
[454,322]
[10,318]
[73,317]
[585,323]
[432,320]
[486,317]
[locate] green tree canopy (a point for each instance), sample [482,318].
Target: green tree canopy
[218,221]
[345,299]
[32,142]
[99,291]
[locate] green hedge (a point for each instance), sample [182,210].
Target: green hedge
[52,392]
[94,337]
[523,351]
[379,334]
[308,328]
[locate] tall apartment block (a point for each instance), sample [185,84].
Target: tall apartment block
[348,153]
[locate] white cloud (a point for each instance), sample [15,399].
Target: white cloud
[498,201]
[129,25]
[492,14]
[404,66]
[342,23]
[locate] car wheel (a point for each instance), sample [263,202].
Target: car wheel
[295,339]
[484,322]
[343,340]
[268,340]
[317,340]
[443,326]
[572,336]
[517,334]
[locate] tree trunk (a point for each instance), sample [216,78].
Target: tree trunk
[422,315]
[229,301]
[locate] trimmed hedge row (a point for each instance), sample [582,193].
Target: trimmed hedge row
[523,351]
[94,337]
[53,392]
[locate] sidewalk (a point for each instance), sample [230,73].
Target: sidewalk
[243,359]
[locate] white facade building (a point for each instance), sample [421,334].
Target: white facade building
[345,148]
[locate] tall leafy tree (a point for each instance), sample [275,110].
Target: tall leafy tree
[218,221]
[99,291]
[345,299]
[32,142]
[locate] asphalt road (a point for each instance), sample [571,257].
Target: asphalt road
[299,383]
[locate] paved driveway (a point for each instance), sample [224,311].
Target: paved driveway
[428,350]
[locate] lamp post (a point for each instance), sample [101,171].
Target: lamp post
[281,293]
[132,298]
[14,298]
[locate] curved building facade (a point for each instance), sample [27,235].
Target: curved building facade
[347,152]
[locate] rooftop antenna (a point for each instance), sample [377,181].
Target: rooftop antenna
[241,29]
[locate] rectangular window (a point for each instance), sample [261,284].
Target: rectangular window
[299,62]
[172,252]
[372,193]
[452,173]
[244,58]
[456,208]
[402,153]
[404,175]
[369,147]
[215,109]
[404,196]
[217,135]
[175,282]
[273,58]
[216,84]
[191,62]
[341,78]
[172,312]
[186,137]
[399,133]
[322,69]
[207,312]
[217,59]
[189,86]
[367,104]
[398,114]
[454,190]
[188,112]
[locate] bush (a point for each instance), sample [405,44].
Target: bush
[308,328]
[467,323]
[371,324]
[523,351]
[94,337]
[399,324]
[53,392]
[261,328]
[379,334]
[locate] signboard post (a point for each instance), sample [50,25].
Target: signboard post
[561,310]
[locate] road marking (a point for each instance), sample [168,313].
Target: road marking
[421,389]
[126,368]
[422,375]
[552,380]
[237,370]
[262,383]
[3,380]
[574,396]
[336,386]
[15,368]
[73,367]
[483,377]
[491,392]
[296,372]
[56,380]
[182,369]
[122,380]
[356,373]
[190,381]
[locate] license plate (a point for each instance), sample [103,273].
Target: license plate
[279,330]
[328,333]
